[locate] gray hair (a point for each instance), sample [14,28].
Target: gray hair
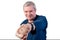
[29,3]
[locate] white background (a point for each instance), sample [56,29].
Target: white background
[11,15]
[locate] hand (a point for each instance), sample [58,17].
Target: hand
[23,31]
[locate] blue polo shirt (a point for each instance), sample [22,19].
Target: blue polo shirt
[40,23]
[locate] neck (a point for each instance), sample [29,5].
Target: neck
[30,21]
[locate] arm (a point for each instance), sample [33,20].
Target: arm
[41,23]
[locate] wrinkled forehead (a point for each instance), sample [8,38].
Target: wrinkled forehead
[28,8]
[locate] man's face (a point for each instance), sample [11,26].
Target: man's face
[29,12]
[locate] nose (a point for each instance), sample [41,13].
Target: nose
[29,13]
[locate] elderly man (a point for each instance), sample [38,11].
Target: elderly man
[37,24]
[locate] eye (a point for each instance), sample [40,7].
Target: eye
[26,11]
[31,11]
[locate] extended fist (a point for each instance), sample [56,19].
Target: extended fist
[23,31]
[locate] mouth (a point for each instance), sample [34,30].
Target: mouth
[30,16]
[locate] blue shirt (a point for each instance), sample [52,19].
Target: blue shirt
[40,23]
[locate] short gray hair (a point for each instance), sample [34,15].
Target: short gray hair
[29,3]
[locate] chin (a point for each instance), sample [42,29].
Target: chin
[30,18]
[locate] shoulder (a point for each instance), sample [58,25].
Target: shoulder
[41,17]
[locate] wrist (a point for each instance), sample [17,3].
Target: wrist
[33,29]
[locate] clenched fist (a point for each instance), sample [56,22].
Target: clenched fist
[23,31]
